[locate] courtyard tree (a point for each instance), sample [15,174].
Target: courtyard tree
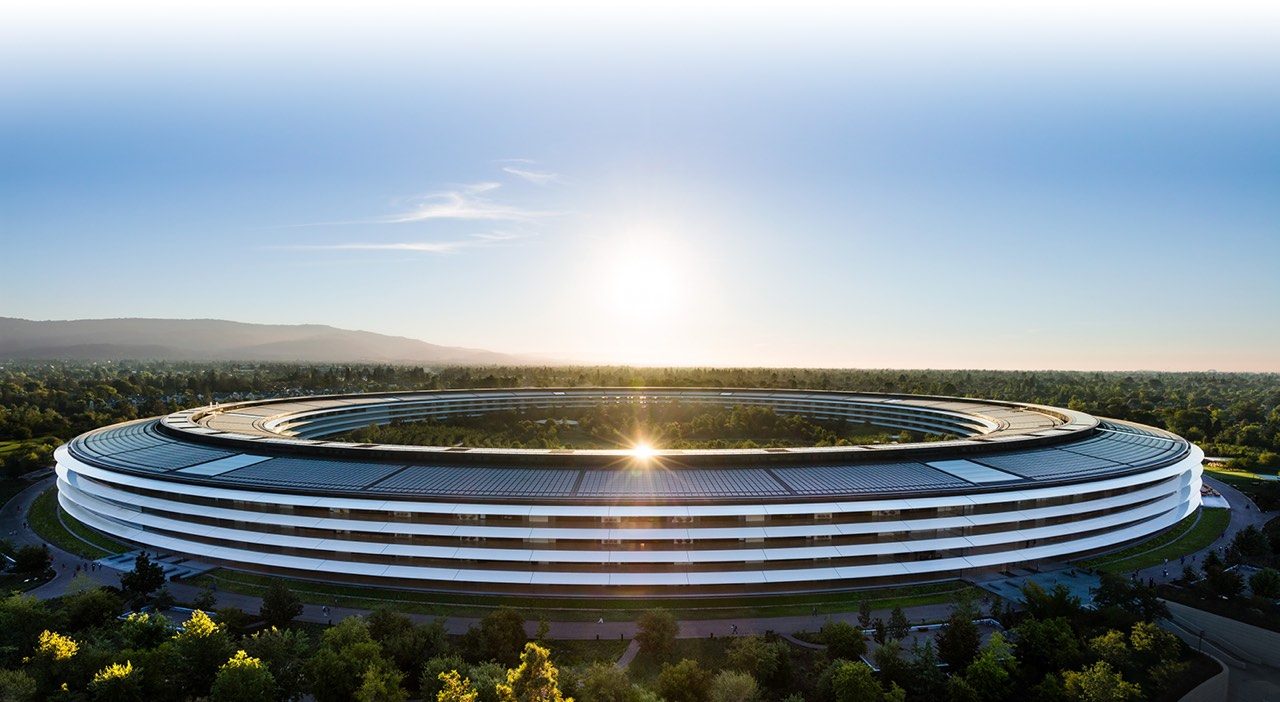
[536,679]
[280,606]
[145,578]
[243,678]
[657,633]
[686,681]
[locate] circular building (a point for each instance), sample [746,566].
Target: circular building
[256,486]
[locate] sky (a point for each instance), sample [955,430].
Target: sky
[1018,186]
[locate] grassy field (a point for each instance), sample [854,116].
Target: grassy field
[1264,493]
[1191,534]
[573,609]
[72,538]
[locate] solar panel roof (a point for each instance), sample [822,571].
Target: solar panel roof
[138,446]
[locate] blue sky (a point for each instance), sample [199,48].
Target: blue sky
[1091,190]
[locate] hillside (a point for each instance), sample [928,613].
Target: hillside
[220,340]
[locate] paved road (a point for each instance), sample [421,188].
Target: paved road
[1243,513]
[1248,681]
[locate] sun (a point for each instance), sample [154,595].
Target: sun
[642,451]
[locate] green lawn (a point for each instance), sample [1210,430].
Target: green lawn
[1264,493]
[72,538]
[575,609]
[1191,534]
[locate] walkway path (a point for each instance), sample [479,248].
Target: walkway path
[633,650]
[1243,513]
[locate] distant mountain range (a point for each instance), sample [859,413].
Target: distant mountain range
[219,340]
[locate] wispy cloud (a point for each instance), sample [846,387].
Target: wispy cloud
[535,177]
[475,241]
[468,202]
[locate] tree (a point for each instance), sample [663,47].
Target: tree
[50,664]
[898,626]
[879,632]
[686,681]
[1251,545]
[91,607]
[455,688]
[56,647]
[1212,563]
[991,672]
[206,600]
[1225,583]
[143,630]
[1152,645]
[1265,583]
[536,679]
[381,683]
[243,679]
[145,578]
[1058,602]
[337,669]
[1046,646]
[233,619]
[893,667]
[405,643]
[498,637]
[1099,683]
[769,662]
[204,646]
[284,652]
[32,559]
[279,605]
[657,634]
[429,677]
[958,641]
[864,614]
[1133,600]
[734,686]
[605,682]
[22,618]
[486,677]
[1112,647]
[1189,574]
[843,640]
[163,598]
[16,686]
[928,682]
[854,682]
